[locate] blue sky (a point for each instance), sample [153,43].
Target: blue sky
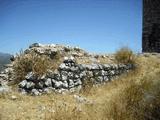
[100,26]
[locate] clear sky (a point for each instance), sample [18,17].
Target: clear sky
[100,26]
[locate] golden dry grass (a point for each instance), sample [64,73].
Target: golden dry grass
[39,64]
[125,55]
[127,98]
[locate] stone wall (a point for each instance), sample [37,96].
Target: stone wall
[5,77]
[70,77]
[151,26]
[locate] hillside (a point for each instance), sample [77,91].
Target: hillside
[134,95]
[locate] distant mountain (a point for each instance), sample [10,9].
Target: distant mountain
[4,59]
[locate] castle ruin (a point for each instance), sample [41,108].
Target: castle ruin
[151,26]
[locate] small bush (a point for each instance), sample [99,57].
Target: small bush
[87,85]
[39,64]
[125,56]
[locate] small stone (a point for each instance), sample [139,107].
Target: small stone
[81,68]
[72,58]
[106,78]
[40,51]
[62,91]
[95,67]
[30,85]
[102,72]
[43,77]
[4,89]
[69,59]
[77,48]
[87,67]
[39,85]
[31,76]
[71,83]
[106,66]
[99,79]
[53,81]
[82,74]
[66,58]
[90,74]
[48,90]
[8,70]
[112,72]
[22,91]
[100,67]
[74,69]
[96,73]
[52,45]
[78,88]
[35,45]
[72,90]
[58,84]
[27,51]
[12,58]
[75,54]
[96,56]
[76,76]
[4,76]
[70,74]
[13,97]
[65,84]
[50,74]
[23,84]
[64,77]
[35,92]
[40,90]
[63,67]
[80,99]
[78,82]
[48,82]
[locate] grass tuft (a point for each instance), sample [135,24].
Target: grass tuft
[125,55]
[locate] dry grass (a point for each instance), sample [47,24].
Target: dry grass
[135,96]
[39,64]
[125,55]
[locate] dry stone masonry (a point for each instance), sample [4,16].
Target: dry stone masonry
[5,77]
[52,49]
[70,77]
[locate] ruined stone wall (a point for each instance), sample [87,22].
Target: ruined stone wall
[71,77]
[151,26]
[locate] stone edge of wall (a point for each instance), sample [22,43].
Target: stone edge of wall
[69,77]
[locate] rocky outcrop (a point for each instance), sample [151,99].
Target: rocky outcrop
[70,77]
[52,49]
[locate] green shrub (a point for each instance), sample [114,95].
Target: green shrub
[125,56]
